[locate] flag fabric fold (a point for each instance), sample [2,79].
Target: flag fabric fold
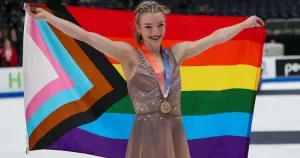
[76,98]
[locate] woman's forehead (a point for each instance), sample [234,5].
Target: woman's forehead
[152,18]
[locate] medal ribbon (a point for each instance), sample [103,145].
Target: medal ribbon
[164,85]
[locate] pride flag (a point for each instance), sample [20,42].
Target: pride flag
[76,98]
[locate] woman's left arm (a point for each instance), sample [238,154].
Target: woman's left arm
[185,50]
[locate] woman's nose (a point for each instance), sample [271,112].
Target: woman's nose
[155,31]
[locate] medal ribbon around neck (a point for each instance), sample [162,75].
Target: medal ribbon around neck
[164,85]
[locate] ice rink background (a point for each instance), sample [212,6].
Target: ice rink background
[278,113]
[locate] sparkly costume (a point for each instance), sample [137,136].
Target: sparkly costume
[156,134]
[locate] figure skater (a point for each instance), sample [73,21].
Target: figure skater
[152,75]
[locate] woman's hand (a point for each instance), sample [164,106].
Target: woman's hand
[254,21]
[36,13]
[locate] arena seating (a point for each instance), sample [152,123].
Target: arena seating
[282,17]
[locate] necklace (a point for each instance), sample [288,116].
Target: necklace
[164,82]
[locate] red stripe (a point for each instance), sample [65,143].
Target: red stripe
[111,23]
[245,52]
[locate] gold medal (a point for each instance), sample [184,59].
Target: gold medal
[165,107]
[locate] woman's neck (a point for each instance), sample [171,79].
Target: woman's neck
[155,49]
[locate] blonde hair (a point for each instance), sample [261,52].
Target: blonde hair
[145,7]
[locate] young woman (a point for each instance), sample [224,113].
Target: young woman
[152,74]
[8,55]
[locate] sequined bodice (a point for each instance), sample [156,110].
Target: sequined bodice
[144,89]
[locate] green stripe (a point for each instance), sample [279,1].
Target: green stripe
[212,102]
[203,102]
[123,106]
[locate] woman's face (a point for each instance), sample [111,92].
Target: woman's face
[152,27]
[7,44]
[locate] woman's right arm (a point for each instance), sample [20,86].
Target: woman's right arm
[120,51]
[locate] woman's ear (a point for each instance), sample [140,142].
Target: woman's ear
[137,27]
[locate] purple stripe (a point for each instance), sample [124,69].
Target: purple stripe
[220,147]
[82,141]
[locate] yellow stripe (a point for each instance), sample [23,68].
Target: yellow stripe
[120,70]
[216,77]
[219,77]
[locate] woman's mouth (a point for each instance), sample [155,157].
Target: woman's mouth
[155,38]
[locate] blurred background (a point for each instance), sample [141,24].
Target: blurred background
[276,124]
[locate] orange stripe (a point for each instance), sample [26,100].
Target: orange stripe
[244,51]
[229,53]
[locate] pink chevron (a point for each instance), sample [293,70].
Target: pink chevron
[61,83]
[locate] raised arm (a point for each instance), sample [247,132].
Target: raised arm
[185,50]
[120,51]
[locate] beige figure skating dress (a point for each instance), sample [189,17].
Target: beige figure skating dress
[156,134]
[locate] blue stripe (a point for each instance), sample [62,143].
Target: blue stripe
[118,126]
[224,124]
[11,94]
[82,84]
[281,79]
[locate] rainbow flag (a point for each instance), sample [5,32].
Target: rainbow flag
[76,98]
